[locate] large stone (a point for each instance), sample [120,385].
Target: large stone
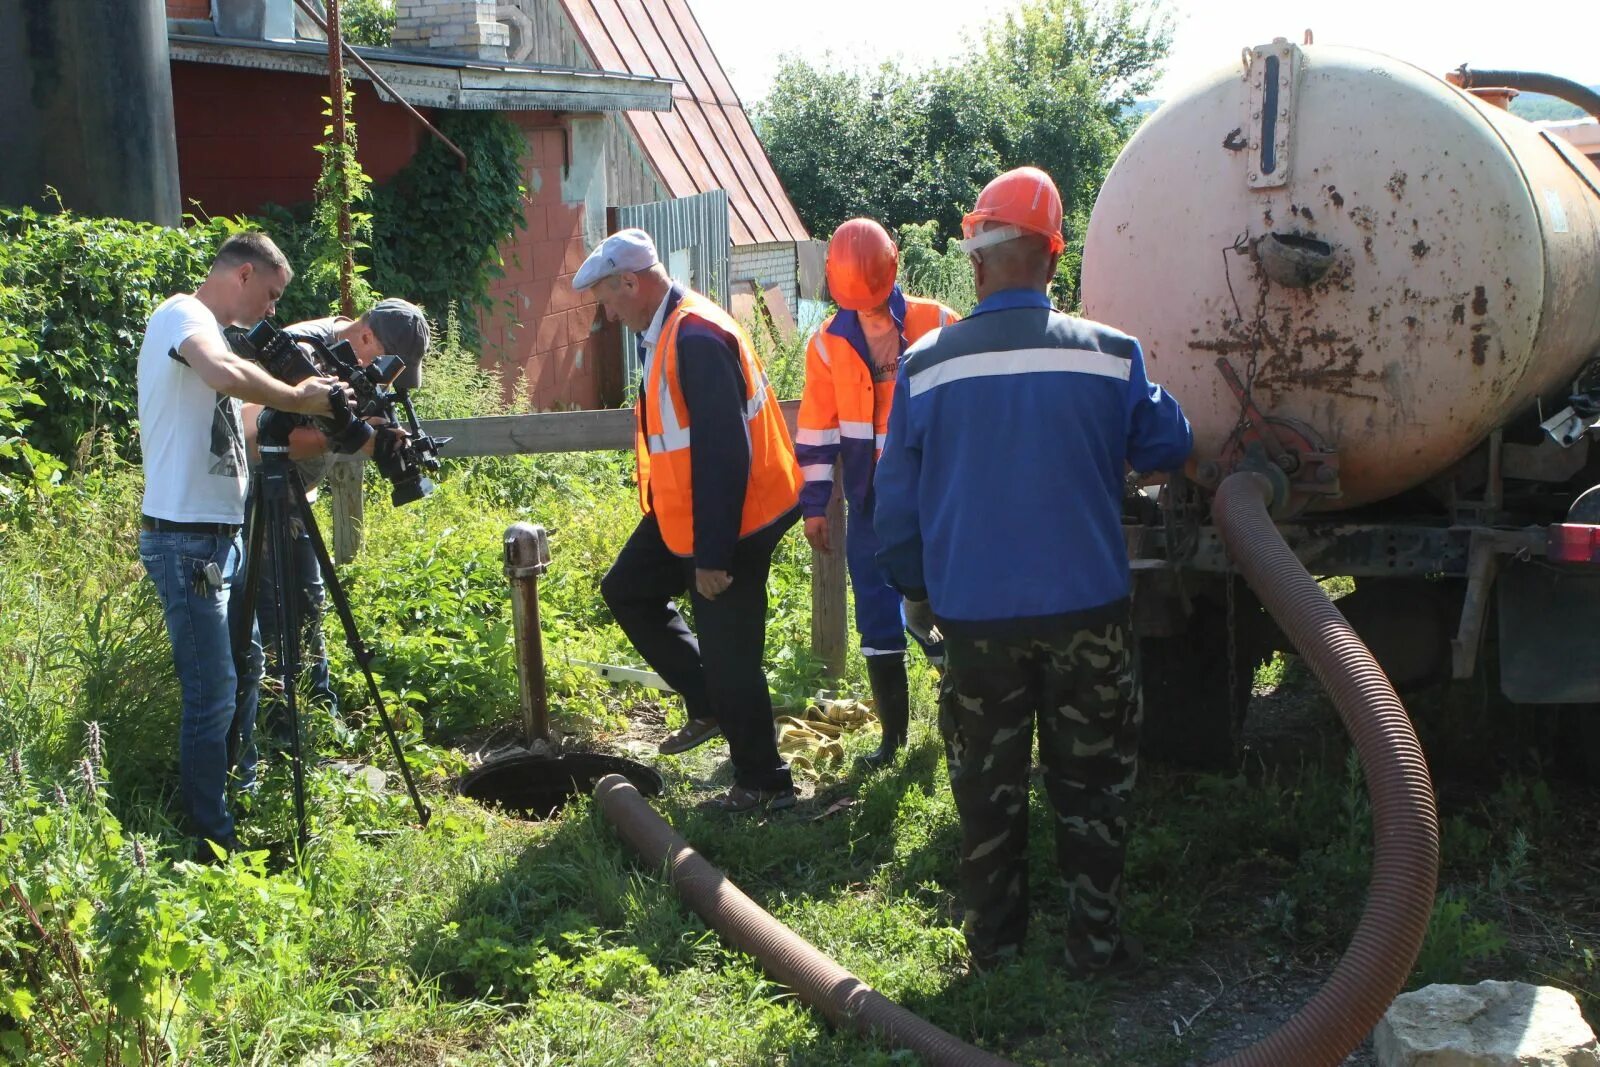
[1491,1024]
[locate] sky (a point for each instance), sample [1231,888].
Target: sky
[1555,36]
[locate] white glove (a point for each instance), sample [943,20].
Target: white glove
[919,620]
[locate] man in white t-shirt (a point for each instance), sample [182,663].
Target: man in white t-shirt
[190,391]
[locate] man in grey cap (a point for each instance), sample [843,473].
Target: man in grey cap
[391,327]
[719,486]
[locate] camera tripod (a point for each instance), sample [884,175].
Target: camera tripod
[279,496]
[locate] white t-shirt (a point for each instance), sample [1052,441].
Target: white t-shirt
[192,436]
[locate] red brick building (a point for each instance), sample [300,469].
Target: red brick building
[607,125]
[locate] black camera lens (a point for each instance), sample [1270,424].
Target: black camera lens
[409,491]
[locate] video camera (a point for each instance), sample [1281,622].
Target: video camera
[401,457]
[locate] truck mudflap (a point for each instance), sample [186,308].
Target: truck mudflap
[1549,633]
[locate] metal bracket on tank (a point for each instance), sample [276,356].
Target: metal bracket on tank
[1310,468]
[1274,75]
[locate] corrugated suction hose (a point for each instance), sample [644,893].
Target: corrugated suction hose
[846,1000]
[1405,827]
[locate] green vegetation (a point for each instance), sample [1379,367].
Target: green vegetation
[368,22]
[491,940]
[1051,85]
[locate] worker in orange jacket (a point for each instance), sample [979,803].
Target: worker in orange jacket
[850,372]
[718,485]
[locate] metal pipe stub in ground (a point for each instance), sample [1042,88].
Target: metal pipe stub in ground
[536,783]
[527,558]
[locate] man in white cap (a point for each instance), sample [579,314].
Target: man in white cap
[719,487]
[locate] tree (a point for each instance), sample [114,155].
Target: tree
[1051,84]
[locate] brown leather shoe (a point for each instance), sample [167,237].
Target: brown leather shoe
[694,733]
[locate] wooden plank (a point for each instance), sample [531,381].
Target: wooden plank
[830,623]
[554,431]
[778,313]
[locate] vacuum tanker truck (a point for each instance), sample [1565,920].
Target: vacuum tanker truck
[1381,291]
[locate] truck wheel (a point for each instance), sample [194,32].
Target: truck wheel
[1190,718]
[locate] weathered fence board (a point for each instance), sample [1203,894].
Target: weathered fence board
[554,431]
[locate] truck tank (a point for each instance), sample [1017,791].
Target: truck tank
[1386,266]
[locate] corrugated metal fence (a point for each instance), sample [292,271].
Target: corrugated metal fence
[691,235]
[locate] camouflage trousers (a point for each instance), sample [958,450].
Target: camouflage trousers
[1082,688]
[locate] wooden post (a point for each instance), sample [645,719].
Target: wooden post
[349,513]
[344,479]
[830,624]
[341,140]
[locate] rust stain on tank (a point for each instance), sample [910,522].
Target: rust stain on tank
[1419,249]
[1480,301]
[1480,348]
[1397,184]
[1333,195]
[1458,314]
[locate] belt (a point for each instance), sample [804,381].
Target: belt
[220,529]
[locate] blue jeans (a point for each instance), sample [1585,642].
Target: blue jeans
[305,578]
[879,619]
[198,624]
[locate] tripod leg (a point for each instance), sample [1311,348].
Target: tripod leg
[287,640]
[358,648]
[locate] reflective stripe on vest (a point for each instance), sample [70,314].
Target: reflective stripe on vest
[664,436]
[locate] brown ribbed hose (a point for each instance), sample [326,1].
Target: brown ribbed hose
[1405,862]
[846,1000]
[1405,827]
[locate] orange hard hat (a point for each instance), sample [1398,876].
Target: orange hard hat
[1018,202]
[862,263]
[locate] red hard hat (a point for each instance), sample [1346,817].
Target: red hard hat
[1020,201]
[862,263]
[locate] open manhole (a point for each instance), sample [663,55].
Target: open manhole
[536,787]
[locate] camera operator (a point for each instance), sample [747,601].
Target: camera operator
[390,327]
[190,391]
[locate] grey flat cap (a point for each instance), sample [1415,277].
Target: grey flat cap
[625,250]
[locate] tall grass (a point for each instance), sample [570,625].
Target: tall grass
[482,940]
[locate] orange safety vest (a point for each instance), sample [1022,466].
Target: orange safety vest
[663,436]
[844,414]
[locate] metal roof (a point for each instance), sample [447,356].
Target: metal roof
[445,81]
[706,140]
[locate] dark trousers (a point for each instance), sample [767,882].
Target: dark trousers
[719,675]
[1082,689]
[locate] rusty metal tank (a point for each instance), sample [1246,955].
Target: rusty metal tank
[1388,267]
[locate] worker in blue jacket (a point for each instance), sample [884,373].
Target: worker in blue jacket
[999,498]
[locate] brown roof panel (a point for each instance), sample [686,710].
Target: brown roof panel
[724,145]
[728,102]
[706,141]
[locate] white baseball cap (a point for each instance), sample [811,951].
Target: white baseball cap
[625,250]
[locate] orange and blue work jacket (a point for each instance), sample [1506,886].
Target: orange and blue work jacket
[735,483]
[844,413]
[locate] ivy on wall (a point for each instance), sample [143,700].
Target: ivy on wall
[436,229]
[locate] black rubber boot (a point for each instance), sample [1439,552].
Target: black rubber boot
[892,699]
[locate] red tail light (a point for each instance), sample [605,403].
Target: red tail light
[1573,543]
